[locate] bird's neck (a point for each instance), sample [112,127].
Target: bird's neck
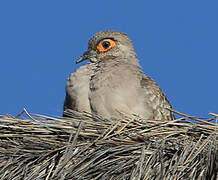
[112,61]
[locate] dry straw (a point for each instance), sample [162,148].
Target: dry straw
[85,147]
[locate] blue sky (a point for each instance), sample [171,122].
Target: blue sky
[176,41]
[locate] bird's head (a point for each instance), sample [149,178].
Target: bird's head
[107,45]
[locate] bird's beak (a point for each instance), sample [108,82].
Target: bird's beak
[90,54]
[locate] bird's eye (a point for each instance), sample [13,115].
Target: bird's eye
[105,45]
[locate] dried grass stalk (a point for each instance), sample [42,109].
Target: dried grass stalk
[87,147]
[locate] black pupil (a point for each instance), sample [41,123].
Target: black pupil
[106,44]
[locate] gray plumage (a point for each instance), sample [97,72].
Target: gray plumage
[77,88]
[113,84]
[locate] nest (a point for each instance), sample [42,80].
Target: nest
[84,147]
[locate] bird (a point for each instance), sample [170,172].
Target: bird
[113,84]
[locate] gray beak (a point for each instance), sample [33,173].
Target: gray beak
[90,54]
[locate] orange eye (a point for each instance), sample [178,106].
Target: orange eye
[105,45]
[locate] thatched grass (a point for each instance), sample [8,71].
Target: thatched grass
[86,147]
